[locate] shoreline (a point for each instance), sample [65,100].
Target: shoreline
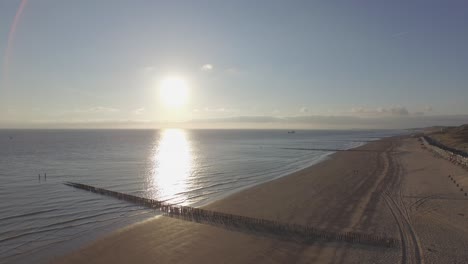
[99,234]
[233,192]
[349,191]
[322,158]
[204,204]
[213,205]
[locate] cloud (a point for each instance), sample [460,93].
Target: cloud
[216,110]
[382,111]
[148,70]
[97,109]
[428,108]
[236,122]
[334,121]
[399,111]
[207,68]
[233,71]
[240,119]
[304,109]
[399,34]
[138,111]
[359,110]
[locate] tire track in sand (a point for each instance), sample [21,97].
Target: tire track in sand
[410,245]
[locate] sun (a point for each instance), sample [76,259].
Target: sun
[173,92]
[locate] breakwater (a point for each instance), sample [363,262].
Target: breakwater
[455,156]
[251,225]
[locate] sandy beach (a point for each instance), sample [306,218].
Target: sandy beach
[390,187]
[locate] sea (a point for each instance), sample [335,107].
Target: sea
[41,218]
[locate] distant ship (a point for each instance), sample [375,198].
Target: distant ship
[291,132]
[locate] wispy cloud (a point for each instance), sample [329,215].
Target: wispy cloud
[394,111]
[207,68]
[293,122]
[138,111]
[400,111]
[335,121]
[148,70]
[304,109]
[96,109]
[216,110]
[399,34]
[233,71]
[240,119]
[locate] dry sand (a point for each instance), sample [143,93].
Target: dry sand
[391,187]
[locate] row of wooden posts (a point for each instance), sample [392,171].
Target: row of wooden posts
[302,233]
[450,156]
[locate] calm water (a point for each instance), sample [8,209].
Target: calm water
[40,218]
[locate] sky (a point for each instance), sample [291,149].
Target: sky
[244,64]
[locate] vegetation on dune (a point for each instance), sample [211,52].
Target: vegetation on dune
[454,137]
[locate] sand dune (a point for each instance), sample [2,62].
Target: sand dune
[394,188]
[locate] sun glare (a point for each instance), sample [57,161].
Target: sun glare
[172,165]
[174,92]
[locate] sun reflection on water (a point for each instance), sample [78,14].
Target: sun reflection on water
[172,163]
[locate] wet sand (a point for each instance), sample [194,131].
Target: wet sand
[393,188]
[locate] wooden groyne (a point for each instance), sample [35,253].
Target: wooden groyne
[270,228]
